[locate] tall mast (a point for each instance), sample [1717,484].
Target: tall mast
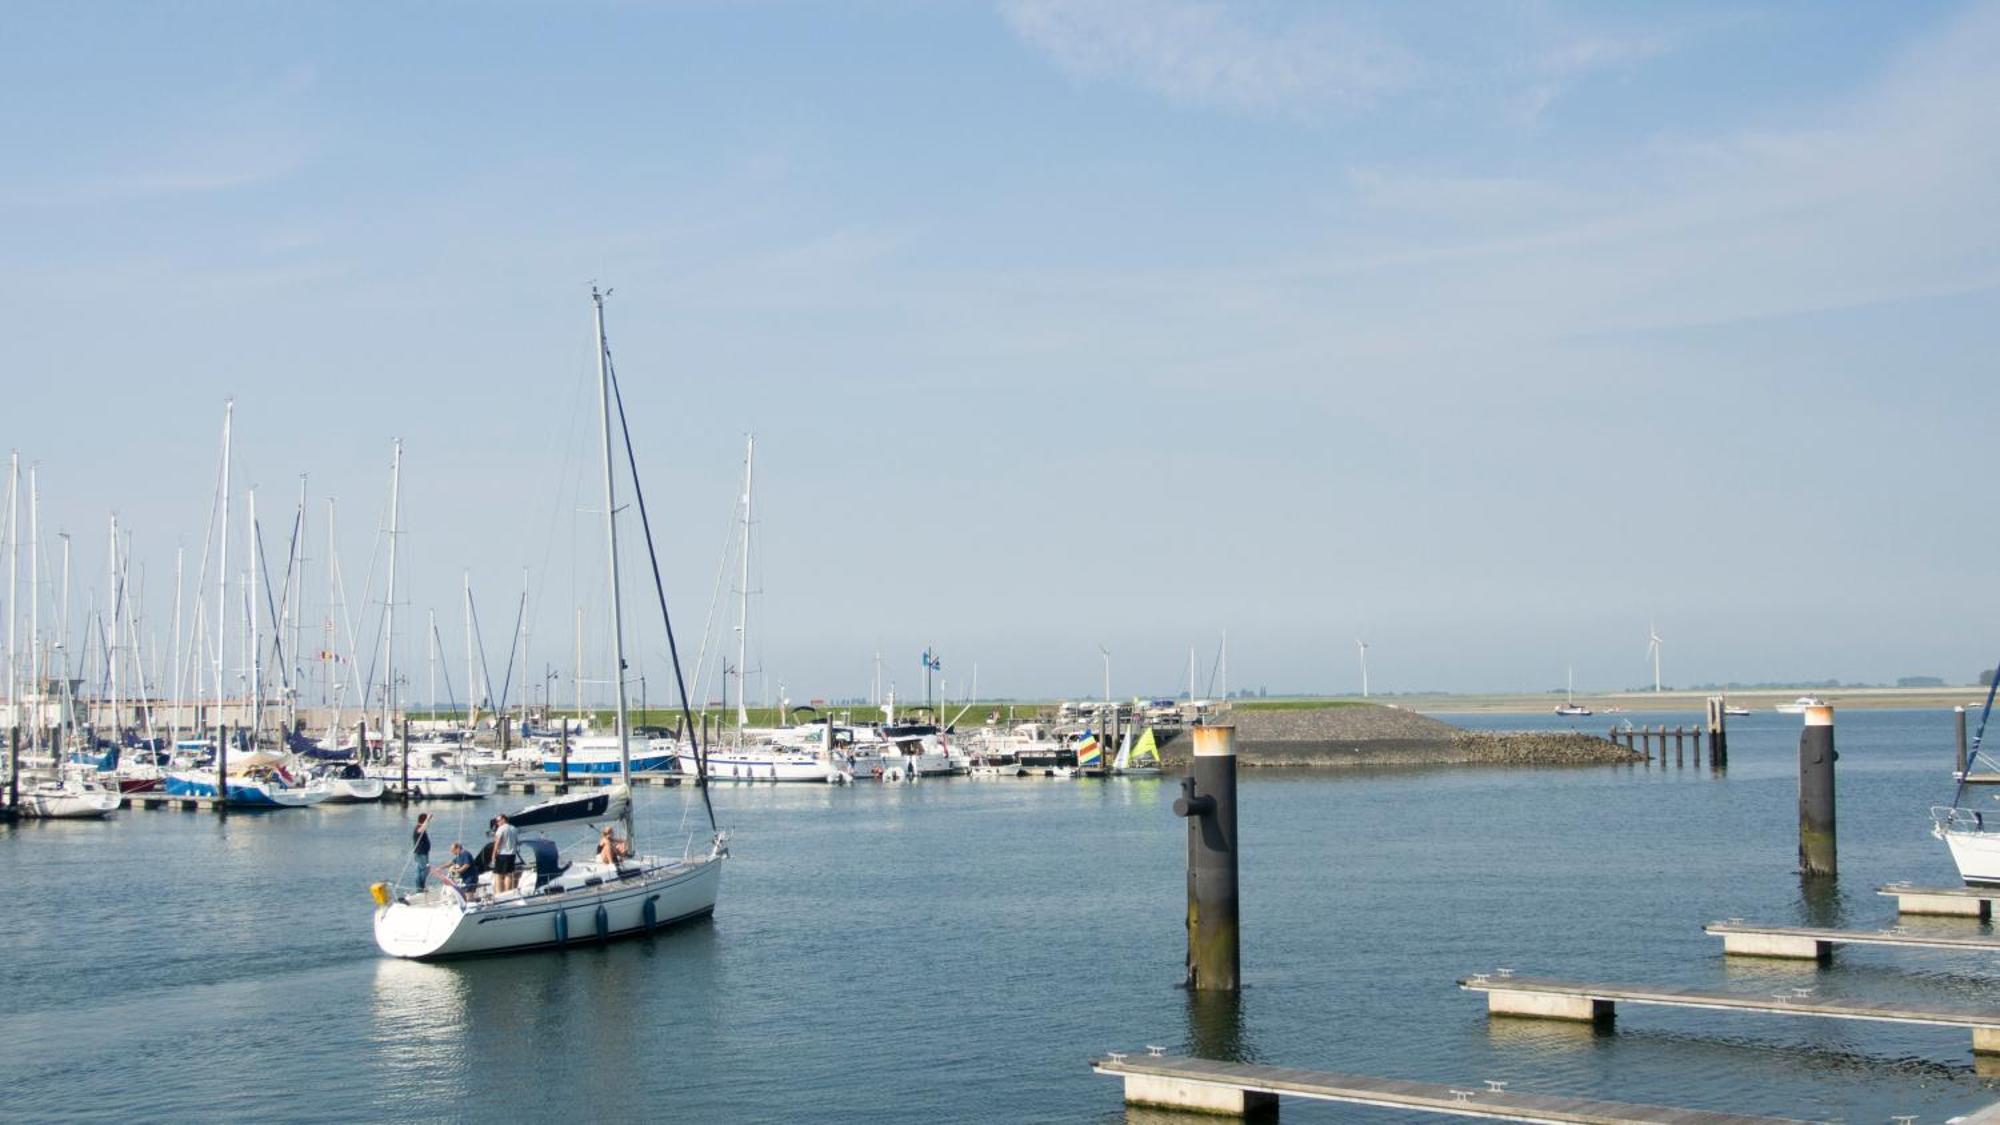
[743,611]
[430,646]
[175,694]
[68,713]
[255,622]
[611,538]
[35,602]
[389,607]
[471,665]
[576,674]
[328,691]
[13,580]
[222,565]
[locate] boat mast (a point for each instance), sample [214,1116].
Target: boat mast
[471,664]
[329,688]
[222,567]
[743,610]
[256,623]
[13,580]
[175,727]
[35,603]
[389,607]
[611,539]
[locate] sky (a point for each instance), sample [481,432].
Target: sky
[1497,334]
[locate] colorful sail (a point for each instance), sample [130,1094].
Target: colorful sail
[1148,751]
[1089,753]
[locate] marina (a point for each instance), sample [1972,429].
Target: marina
[1008,563]
[796,950]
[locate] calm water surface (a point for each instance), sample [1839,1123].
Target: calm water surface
[955,951]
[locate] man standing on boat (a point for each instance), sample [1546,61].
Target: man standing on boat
[504,859]
[420,849]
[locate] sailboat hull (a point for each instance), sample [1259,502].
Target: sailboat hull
[445,925]
[68,804]
[1974,847]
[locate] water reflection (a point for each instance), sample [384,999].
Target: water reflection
[1216,1027]
[1820,902]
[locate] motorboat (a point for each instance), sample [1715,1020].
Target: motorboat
[1573,710]
[1798,706]
[765,762]
[597,755]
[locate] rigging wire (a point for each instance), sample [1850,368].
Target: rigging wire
[660,589]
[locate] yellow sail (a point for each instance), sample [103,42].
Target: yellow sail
[1147,748]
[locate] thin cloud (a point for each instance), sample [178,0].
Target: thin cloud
[1210,53]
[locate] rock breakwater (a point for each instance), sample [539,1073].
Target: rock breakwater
[1366,735]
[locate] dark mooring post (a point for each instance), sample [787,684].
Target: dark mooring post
[1818,839]
[1208,801]
[222,769]
[1958,719]
[1718,732]
[562,783]
[14,768]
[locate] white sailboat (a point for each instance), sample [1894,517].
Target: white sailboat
[554,899]
[752,759]
[72,798]
[1570,708]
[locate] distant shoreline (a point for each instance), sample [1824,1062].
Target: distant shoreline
[1759,702]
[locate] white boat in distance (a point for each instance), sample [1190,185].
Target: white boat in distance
[761,763]
[555,902]
[1798,706]
[72,798]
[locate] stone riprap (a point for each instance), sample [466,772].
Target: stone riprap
[1388,736]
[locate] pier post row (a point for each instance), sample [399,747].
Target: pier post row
[1208,801]
[1818,837]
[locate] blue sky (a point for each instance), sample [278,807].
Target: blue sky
[1491,332]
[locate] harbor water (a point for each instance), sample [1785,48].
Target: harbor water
[956,950]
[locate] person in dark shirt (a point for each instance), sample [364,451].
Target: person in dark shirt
[463,868]
[420,849]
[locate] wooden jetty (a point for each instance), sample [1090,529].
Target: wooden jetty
[1969,902]
[1807,943]
[1571,1000]
[1644,739]
[1246,1089]
[1977,777]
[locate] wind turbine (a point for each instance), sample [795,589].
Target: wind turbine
[1106,653]
[1653,650]
[1363,646]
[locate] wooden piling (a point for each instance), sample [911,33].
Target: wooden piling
[222,770]
[1680,747]
[406,759]
[13,768]
[562,783]
[1818,832]
[1958,720]
[1718,732]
